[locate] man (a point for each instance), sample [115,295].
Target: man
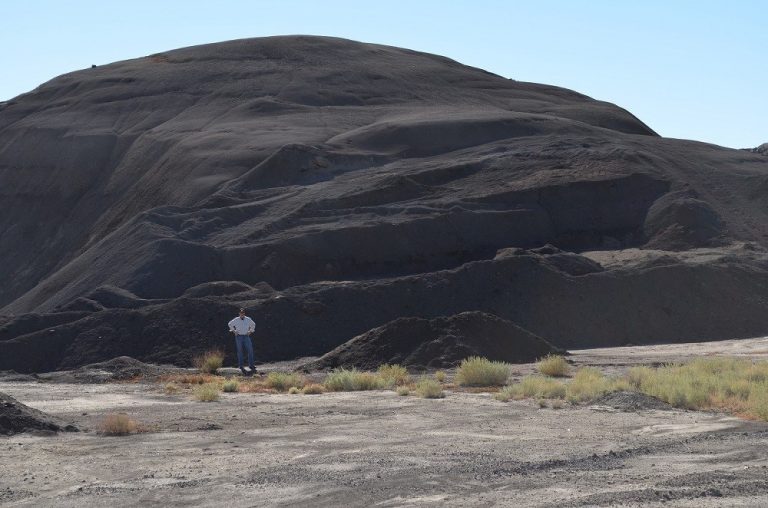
[243,326]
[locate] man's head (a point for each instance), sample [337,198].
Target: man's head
[242,313]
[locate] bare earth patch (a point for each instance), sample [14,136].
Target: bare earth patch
[364,448]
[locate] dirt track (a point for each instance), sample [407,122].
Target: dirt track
[375,448]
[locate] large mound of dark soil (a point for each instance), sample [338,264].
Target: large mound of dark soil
[16,417]
[117,369]
[332,186]
[435,343]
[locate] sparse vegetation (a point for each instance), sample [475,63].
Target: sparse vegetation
[440,376]
[737,385]
[557,404]
[208,392]
[348,380]
[429,389]
[403,391]
[313,389]
[171,388]
[542,403]
[230,386]
[553,365]
[118,425]
[589,383]
[294,390]
[209,362]
[394,375]
[192,379]
[477,371]
[283,381]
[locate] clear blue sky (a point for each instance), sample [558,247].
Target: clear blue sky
[689,69]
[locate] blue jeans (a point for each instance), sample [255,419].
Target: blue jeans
[244,341]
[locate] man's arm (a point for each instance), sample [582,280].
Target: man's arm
[251,326]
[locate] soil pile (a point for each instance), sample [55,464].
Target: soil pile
[16,418]
[332,187]
[631,401]
[118,369]
[437,343]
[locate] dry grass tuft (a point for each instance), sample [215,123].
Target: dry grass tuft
[118,425]
[209,392]
[313,389]
[209,362]
[588,384]
[477,371]
[557,404]
[440,376]
[171,388]
[343,380]
[293,390]
[230,386]
[403,391]
[192,379]
[427,388]
[283,381]
[553,365]
[394,375]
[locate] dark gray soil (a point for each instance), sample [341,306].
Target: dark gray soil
[332,187]
[631,401]
[16,418]
[122,368]
[437,343]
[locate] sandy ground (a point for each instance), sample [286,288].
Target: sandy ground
[379,449]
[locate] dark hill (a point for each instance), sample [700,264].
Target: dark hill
[333,186]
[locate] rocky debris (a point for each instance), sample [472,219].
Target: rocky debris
[16,418]
[437,343]
[631,401]
[762,149]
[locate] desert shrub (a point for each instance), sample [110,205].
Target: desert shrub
[477,371]
[429,389]
[293,390]
[403,391]
[313,389]
[171,388]
[344,380]
[440,376]
[209,362]
[553,365]
[588,383]
[542,403]
[557,404]
[208,392]
[282,381]
[118,425]
[394,375]
[230,386]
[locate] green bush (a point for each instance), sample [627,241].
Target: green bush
[477,371]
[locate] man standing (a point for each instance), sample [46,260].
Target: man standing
[243,326]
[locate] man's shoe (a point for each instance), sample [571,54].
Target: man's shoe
[245,372]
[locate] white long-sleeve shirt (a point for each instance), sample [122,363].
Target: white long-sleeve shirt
[242,326]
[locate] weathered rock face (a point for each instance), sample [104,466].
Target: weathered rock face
[334,186]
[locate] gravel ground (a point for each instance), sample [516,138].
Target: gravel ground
[376,448]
